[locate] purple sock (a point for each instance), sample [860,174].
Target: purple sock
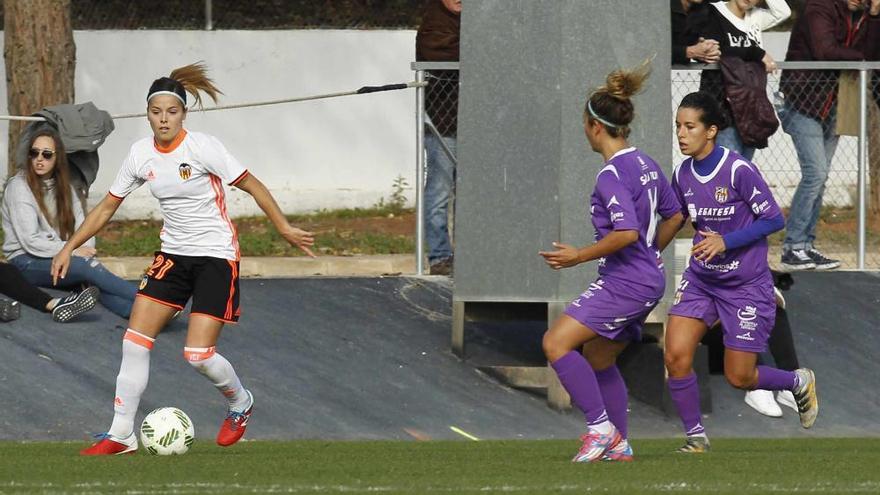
[614,395]
[776,379]
[686,395]
[579,381]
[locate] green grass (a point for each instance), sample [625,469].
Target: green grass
[378,230]
[735,466]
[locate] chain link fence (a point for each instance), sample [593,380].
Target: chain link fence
[816,92]
[437,133]
[253,14]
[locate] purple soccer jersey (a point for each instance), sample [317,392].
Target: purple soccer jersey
[732,197]
[633,194]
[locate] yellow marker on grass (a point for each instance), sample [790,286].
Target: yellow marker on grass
[464,433]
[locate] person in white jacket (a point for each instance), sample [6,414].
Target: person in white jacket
[41,210]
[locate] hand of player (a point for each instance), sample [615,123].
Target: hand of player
[769,63]
[85,252]
[711,245]
[874,8]
[301,239]
[565,256]
[60,263]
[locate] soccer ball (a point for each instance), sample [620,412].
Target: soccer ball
[167,431]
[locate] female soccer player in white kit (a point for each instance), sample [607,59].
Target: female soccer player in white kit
[199,257]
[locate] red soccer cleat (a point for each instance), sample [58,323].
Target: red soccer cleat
[233,427]
[108,446]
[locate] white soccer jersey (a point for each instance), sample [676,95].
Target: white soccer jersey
[187,178]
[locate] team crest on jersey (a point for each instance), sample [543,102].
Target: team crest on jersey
[721,194]
[185,171]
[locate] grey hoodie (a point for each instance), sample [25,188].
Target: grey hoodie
[25,227]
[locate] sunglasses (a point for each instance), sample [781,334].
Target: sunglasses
[47,154]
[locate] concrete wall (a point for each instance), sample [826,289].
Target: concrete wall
[525,169]
[323,154]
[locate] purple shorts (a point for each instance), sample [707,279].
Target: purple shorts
[747,313]
[612,310]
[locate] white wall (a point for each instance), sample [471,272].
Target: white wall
[340,152]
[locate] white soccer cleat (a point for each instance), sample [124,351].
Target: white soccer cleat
[762,401]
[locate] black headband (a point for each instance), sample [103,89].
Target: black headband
[167,86]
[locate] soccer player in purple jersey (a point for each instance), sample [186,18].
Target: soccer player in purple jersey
[630,196]
[728,278]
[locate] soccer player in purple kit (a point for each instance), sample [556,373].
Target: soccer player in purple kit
[630,196]
[728,278]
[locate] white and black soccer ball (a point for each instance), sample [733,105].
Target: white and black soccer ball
[167,431]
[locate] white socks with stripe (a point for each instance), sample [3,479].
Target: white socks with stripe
[217,369]
[134,372]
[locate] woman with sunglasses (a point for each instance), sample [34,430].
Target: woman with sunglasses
[40,212]
[199,258]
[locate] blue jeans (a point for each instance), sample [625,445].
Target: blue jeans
[730,139]
[439,187]
[117,295]
[815,142]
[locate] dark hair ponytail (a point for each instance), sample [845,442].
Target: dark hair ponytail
[710,111]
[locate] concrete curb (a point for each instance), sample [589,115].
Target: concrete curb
[279,267]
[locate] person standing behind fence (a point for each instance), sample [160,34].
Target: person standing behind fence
[437,40]
[737,25]
[827,30]
[686,46]
[630,197]
[40,212]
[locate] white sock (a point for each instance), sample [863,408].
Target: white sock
[221,373]
[134,373]
[604,428]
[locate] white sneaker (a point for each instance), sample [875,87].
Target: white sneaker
[762,401]
[786,398]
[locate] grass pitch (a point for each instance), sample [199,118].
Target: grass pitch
[741,466]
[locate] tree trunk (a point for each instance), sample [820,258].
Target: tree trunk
[40,60]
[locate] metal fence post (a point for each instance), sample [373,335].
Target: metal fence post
[420,173]
[863,160]
[209,15]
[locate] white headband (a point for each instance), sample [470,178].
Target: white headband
[172,93]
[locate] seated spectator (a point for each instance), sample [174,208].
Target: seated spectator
[687,46]
[63,309]
[831,30]
[737,25]
[41,211]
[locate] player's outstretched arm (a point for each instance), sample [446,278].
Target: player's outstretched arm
[296,237]
[93,223]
